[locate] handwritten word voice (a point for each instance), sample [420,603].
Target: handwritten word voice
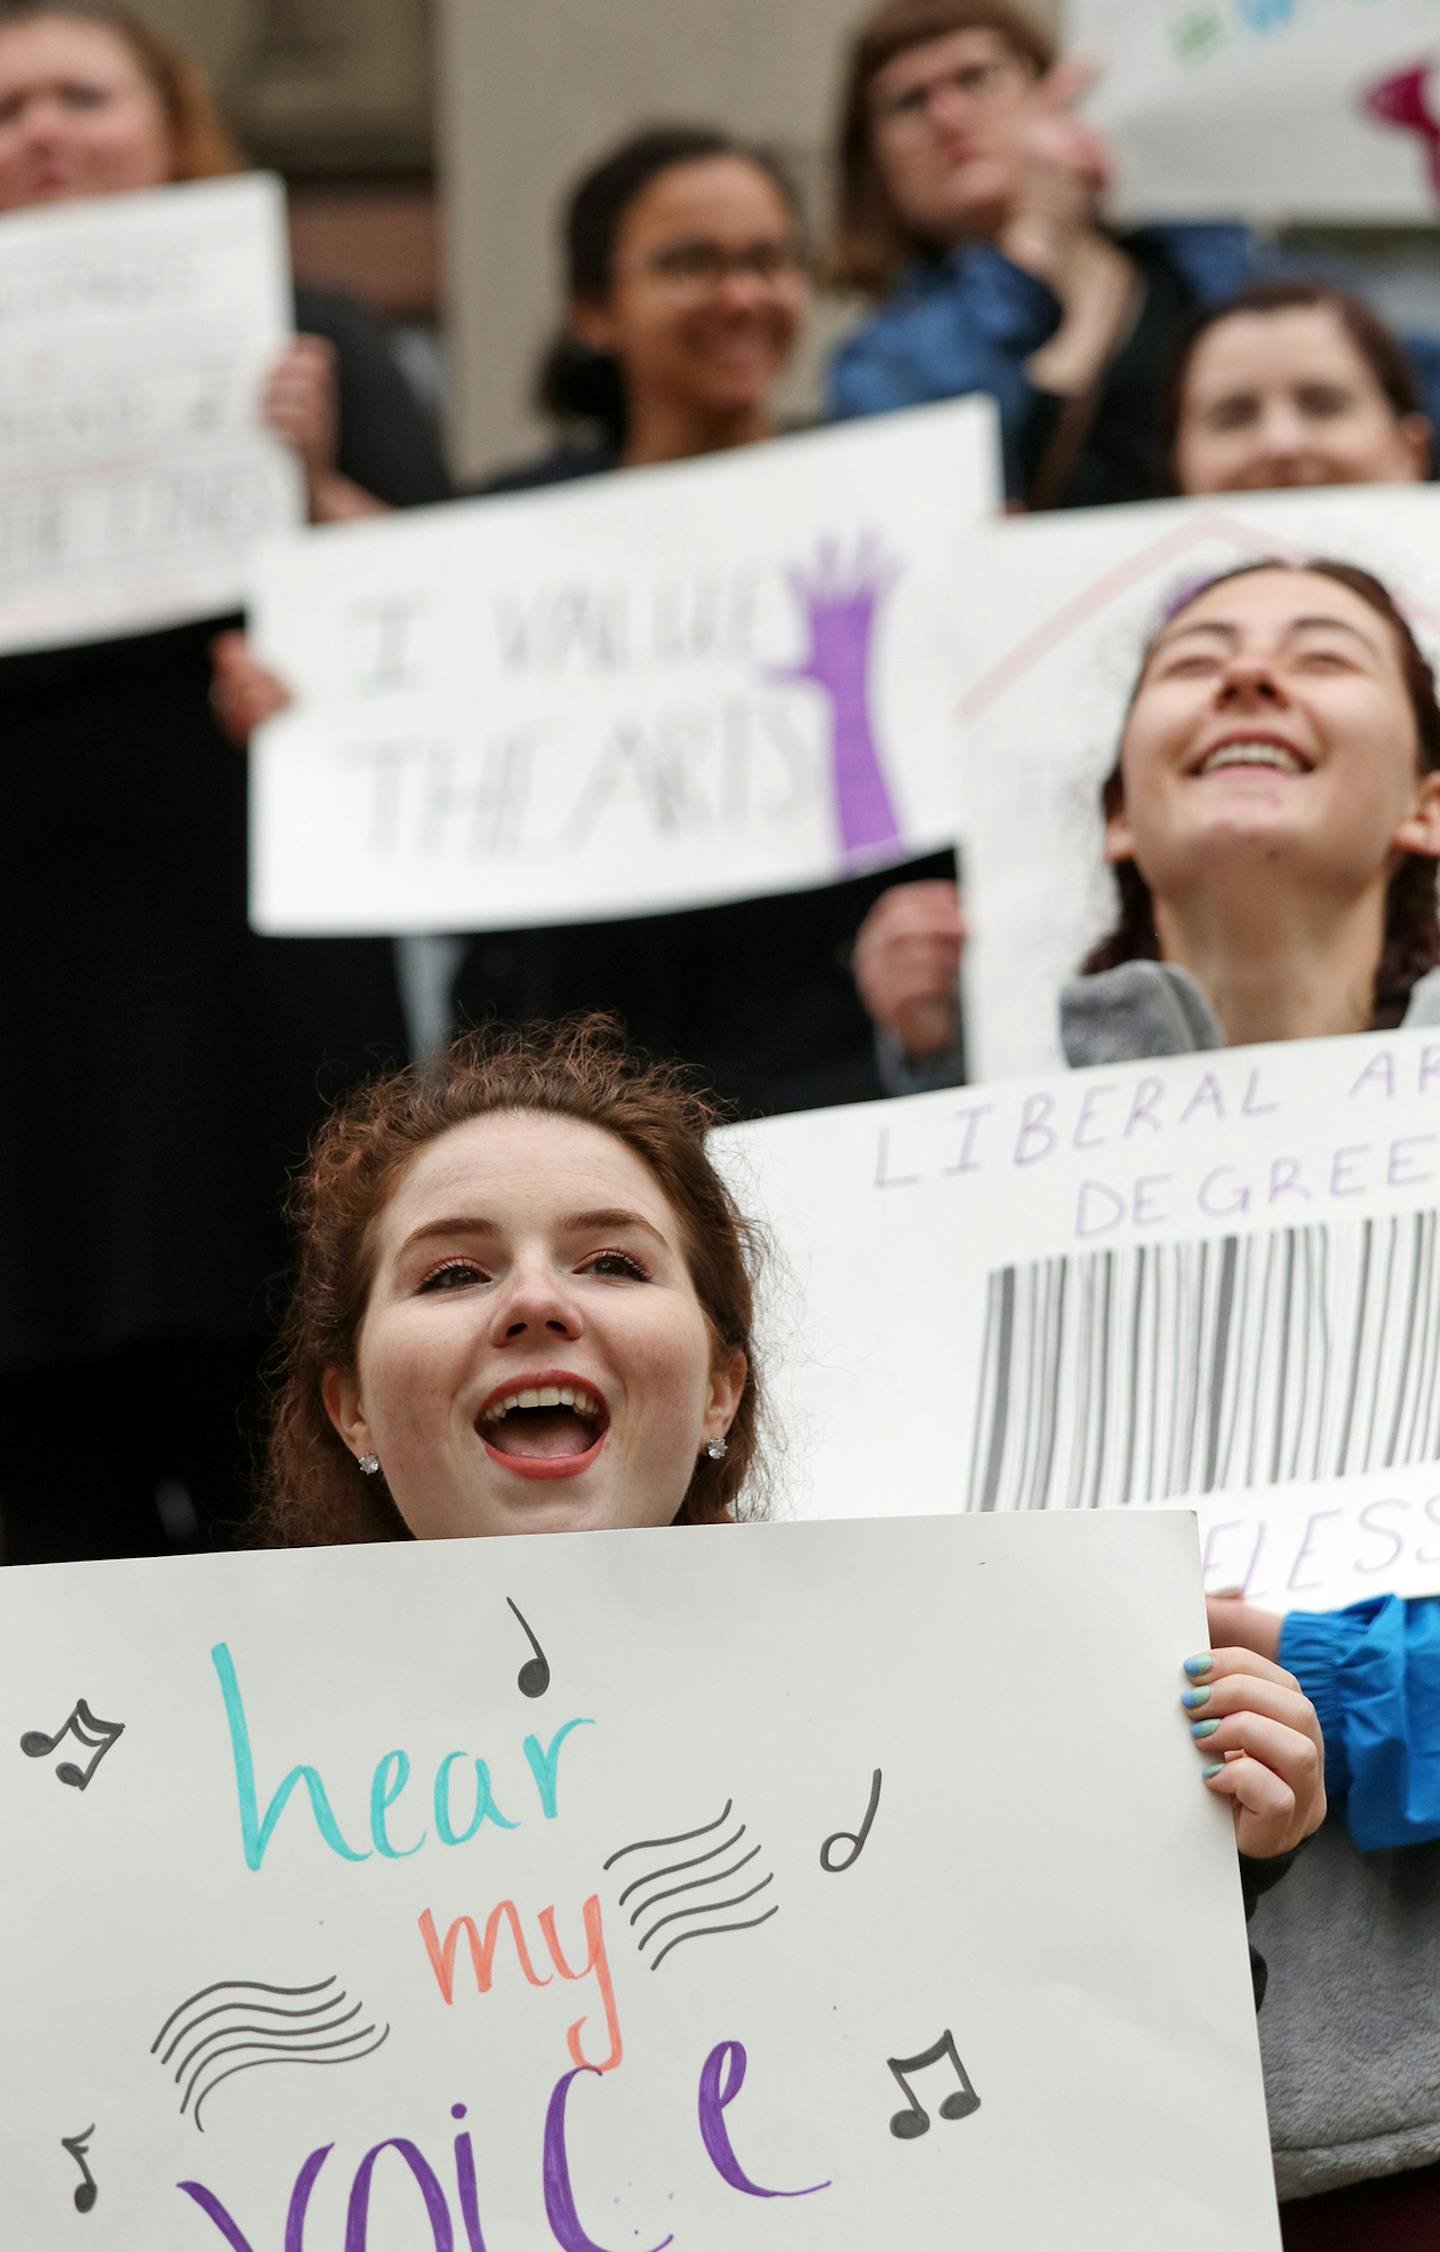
[721,2079]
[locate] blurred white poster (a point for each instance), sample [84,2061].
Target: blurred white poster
[136,332]
[1053,619]
[703,1888]
[1211,1280]
[1267,109]
[660,689]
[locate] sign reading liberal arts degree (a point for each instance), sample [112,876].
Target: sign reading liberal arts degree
[683,685]
[1210,1279]
[657,1889]
[135,475]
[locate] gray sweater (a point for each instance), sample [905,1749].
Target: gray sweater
[1350,2031]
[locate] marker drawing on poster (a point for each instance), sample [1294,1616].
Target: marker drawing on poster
[135,473]
[1268,109]
[1209,1280]
[708,681]
[391,1953]
[1053,617]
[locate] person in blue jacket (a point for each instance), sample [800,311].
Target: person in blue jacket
[969,208]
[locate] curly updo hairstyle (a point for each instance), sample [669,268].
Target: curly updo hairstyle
[312,1491]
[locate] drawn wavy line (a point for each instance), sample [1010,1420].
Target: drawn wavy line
[262,2009]
[681,1837]
[289,2057]
[703,1907]
[708,1931]
[673,1868]
[719,1876]
[277,2052]
[300,2033]
[248,1985]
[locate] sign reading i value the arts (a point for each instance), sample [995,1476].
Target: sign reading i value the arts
[135,474]
[1212,1279]
[694,1888]
[661,689]
[1053,617]
[1276,109]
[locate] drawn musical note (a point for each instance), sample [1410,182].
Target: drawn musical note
[533,1679]
[915,2119]
[855,1839]
[77,2145]
[96,1736]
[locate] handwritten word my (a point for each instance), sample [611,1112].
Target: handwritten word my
[721,2078]
[391,1775]
[482,1961]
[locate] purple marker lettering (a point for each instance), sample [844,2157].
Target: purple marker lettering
[1429,1064]
[722,2076]
[1092,1096]
[1209,1562]
[1207,1096]
[1394,1177]
[1248,1583]
[971,1119]
[465,2183]
[1428,1556]
[1090,1192]
[1142,1106]
[1148,1212]
[1209,1197]
[437,2212]
[565,2225]
[1285,1180]
[305,2180]
[884,1178]
[1250,1103]
[1035,1114]
[1307,1550]
[1379,1073]
[1386,1532]
[1340,1164]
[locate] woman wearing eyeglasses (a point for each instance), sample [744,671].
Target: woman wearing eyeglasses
[969,208]
[687,293]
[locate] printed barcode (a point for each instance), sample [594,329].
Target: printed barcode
[1115,1377]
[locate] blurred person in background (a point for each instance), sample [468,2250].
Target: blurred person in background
[1288,384]
[165,1065]
[969,209]
[687,291]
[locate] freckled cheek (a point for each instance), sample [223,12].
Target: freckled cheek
[408,1389]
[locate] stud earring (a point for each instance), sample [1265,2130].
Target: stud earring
[369,1463]
[718,1449]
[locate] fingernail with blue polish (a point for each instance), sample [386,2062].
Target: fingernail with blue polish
[1196,1666]
[1204,1727]
[1193,1697]
[1217,1769]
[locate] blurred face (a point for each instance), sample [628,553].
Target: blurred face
[943,116]
[709,290]
[1272,726]
[533,1356]
[78,116]
[1287,398]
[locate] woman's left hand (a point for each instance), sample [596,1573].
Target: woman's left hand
[300,402]
[1262,1746]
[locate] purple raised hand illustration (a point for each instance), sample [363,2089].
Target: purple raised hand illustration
[1404,100]
[840,604]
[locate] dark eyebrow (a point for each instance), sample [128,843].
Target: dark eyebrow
[1231,633]
[571,1223]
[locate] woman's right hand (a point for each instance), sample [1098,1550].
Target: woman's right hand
[1060,170]
[243,694]
[907,964]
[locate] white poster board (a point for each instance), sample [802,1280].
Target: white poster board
[1054,615]
[1267,109]
[136,332]
[667,688]
[1211,1280]
[794,1920]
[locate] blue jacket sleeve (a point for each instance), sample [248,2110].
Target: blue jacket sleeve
[1372,1673]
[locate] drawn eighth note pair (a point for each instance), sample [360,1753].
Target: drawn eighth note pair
[94,1736]
[961,2103]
